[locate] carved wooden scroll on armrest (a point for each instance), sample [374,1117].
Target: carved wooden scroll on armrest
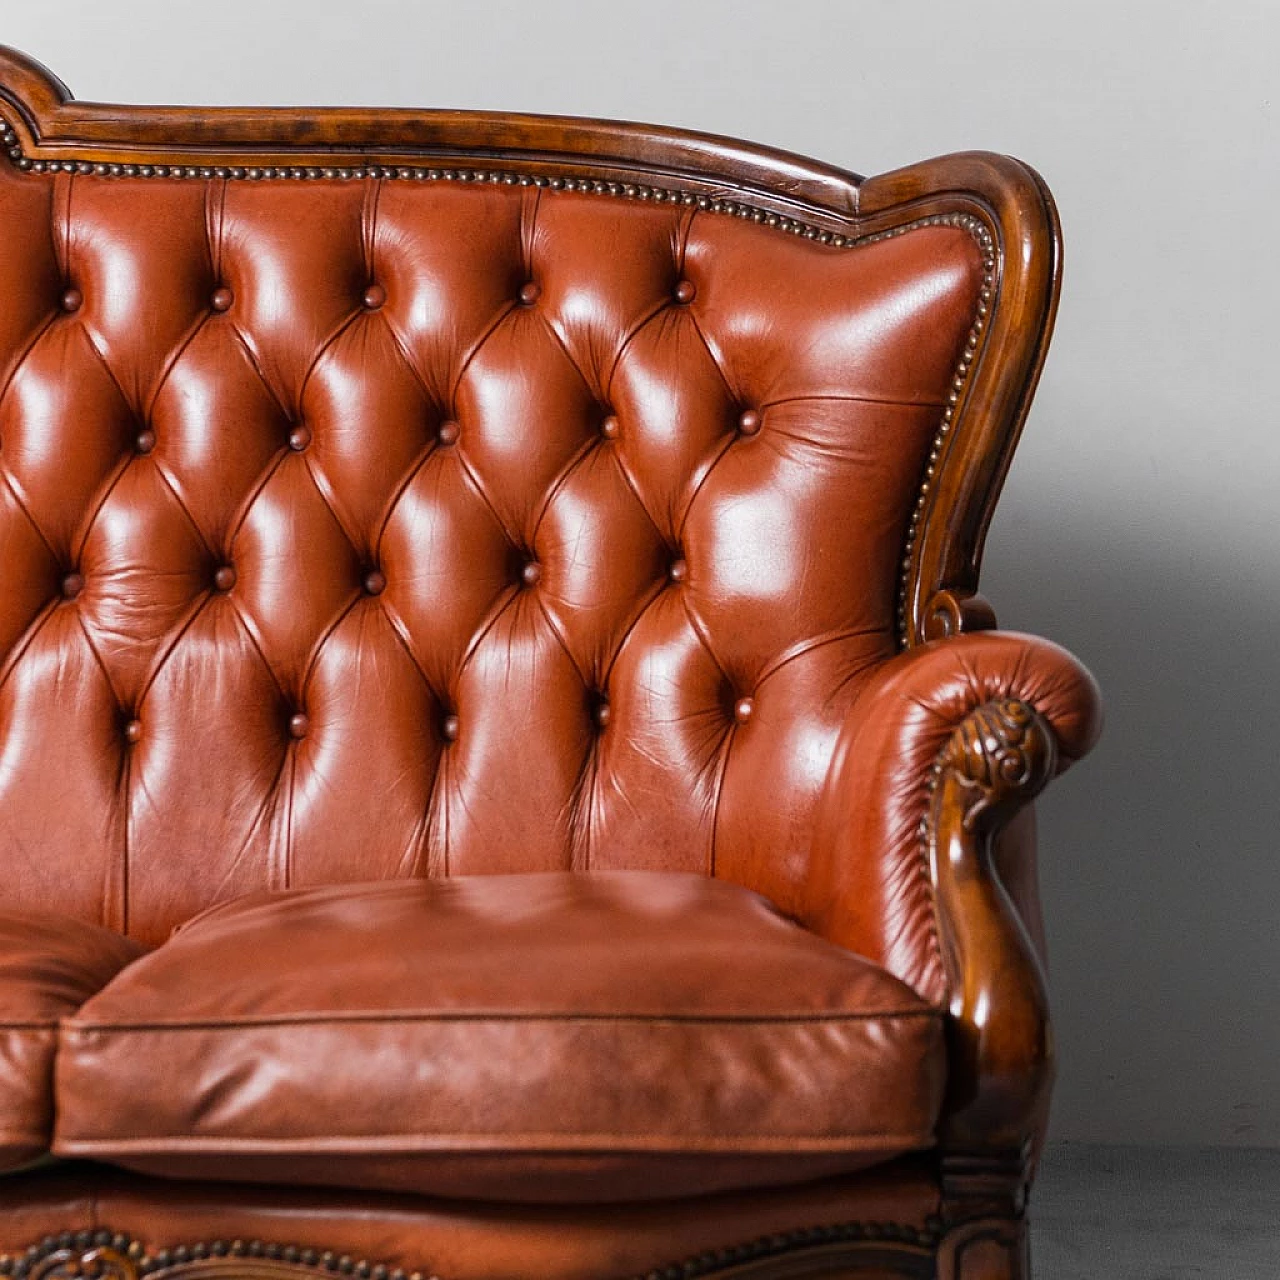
[999,758]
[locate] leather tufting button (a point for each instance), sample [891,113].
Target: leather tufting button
[374,296]
[449,728]
[448,432]
[609,428]
[298,725]
[133,731]
[602,714]
[749,422]
[530,572]
[145,440]
[375,582]
[221,298]
[685,291]
[72,300]
[72,585]
[678,571]
[225,578]
[529,293]
[299,438]
[742,710]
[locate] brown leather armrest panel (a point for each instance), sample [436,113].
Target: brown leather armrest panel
[49,966]
[869,861]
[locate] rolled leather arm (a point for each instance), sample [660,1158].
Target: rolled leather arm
[941,749]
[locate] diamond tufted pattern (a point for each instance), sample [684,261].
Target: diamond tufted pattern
[357,529]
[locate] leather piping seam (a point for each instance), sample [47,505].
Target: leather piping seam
[462,1143]
[924,843]
[970,223]
[73,1027]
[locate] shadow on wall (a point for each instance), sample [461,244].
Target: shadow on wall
[1160,854]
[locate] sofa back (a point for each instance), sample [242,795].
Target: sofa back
[390,520]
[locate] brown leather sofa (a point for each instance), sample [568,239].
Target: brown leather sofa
[504,769]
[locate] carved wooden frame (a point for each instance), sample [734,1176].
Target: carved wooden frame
[854,1247]
[875,1249]
[1000,1040]
[994,762]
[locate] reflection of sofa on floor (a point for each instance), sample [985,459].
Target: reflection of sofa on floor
[493,585]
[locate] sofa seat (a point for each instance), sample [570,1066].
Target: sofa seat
[49,966]
[582,1037]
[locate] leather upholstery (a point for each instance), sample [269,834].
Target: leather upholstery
[49,967]
[878,790]
[585,1037]
[365,518]
[454,1239]
[357,529]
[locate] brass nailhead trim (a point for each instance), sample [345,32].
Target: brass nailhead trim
[773,1246]
[79,1255]
[629,190]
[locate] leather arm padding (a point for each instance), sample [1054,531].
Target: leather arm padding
[870,870]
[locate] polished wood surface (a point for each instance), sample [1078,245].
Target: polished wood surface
[1000,1041]
[1001,1050]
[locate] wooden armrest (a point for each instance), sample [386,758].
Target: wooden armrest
[946,743]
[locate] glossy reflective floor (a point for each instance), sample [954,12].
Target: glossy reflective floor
[1142,1213]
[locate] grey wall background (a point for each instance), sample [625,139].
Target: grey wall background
[1141,522]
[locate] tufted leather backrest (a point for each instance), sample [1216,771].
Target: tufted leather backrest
[357,527]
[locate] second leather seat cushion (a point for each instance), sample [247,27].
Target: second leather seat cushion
[49,966]
[558,1036]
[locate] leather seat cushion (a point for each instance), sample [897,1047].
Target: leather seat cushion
[583,1037]
[49,966]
